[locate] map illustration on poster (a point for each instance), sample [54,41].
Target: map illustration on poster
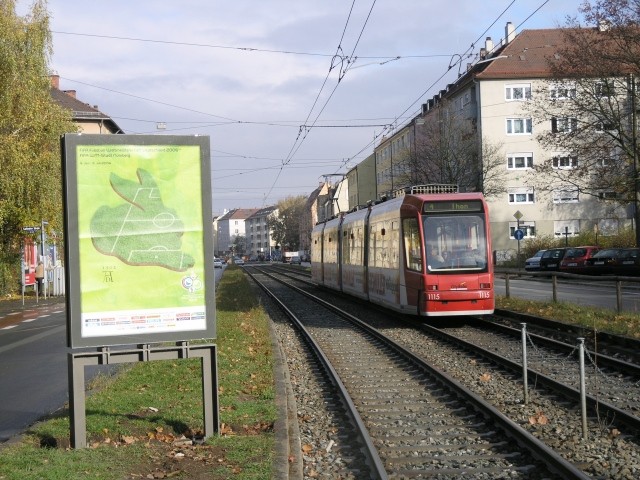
[142,207]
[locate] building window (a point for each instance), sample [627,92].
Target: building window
[519,161]
[608,226]
[605,126]
[565,162]
[517,92]
[567,195]
[521,195]
[519,126]
[566,228]
[608,195]
[564,124]
[528,228]
[605,89]
[562,91]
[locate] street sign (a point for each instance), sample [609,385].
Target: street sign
[518,234]
[518,215]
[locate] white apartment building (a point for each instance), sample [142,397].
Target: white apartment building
[515,75]
[231,226]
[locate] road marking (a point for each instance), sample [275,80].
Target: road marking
[10,326]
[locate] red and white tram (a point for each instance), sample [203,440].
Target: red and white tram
[421,253]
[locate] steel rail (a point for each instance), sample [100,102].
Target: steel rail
[371,452]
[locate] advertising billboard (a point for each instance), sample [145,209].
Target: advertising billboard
[138,239]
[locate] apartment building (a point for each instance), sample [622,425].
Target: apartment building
[486,113]
[231,227]
[259,241]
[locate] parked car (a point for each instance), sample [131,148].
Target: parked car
[533,263]
[551,258]
[238,261]
[296,260]
[575,258]
[627,263]
[217,263]
[603,261]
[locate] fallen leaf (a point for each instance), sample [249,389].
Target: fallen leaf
[485,377]
[306,448]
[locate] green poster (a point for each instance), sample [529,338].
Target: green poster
[140,238]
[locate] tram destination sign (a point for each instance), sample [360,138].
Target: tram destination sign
[453,206]
[138,239]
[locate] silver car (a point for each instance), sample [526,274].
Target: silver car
[533,263]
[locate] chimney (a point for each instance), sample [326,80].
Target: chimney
[509,33]
[55,81]
[488,46]
[71,93]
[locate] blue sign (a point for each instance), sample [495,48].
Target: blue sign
[518,234]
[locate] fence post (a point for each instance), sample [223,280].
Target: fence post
[554,283]
[619,295]
[583,389]
[525,379]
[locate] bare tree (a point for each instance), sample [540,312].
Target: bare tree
[448,151]
[588,108]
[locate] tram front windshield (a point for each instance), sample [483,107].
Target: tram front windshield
[455,242]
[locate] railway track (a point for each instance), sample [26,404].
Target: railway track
[422,423]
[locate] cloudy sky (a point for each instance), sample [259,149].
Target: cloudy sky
[288,91]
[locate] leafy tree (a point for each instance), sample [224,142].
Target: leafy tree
[30,129]
[239,244]
[447,151]
[284,223]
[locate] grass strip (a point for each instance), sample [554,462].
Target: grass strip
[599,319]
[140,421]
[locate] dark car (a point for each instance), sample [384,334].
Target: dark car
[550,260]
[533,263]
[296,260]
[603,261]
[575,258]
[627,262]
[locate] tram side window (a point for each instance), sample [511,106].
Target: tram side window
[393,244]
[378,245]
[346,247]
[357,247]
[412,250]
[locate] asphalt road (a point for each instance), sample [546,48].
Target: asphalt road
[33,366]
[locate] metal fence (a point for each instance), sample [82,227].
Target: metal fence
[610,281]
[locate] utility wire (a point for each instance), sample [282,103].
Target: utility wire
[246,49]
